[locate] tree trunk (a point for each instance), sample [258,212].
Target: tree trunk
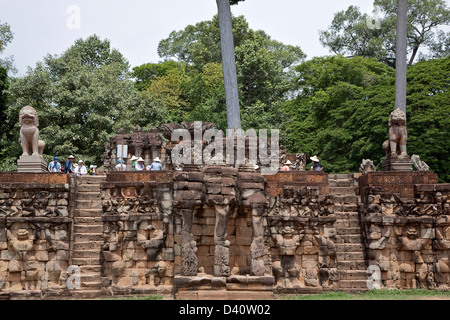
[400,55]
[229,64]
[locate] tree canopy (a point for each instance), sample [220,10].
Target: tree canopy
[82,97]
[354,33]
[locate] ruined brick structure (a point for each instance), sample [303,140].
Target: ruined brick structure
[219,231]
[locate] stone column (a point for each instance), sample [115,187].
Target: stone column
[222,245]
[258,204]
[400,55]
[188,244]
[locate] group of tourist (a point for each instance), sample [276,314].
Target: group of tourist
[76,169]
[315,167]
[138,164]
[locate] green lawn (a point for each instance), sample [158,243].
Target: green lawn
[153,297]
[416,294]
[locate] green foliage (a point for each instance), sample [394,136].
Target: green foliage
[382,294]
[6,36]
[342,112]
[82,97]
[350,32]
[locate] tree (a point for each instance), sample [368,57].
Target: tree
[341,112]
[6,36]
[229,64]
[353,33]
[82,97]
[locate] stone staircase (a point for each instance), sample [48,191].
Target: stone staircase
[88,235]
[350,251]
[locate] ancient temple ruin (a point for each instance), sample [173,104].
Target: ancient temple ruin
[222,231]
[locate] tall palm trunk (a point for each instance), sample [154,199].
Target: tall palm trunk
[229,64]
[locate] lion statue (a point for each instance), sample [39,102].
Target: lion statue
[29,132]
[396,145]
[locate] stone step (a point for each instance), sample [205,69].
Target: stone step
[340,176]
[88,212]
[348,231]
[88,196]
[350,239]
[88,254]
[91,284]
[345,207]
[89,188]
[86,261]
[91,277]
[88,245]
[91,179]
[356,265]
[353,284]
[89,220]
[349,256]
[97,269]
[353,275]
[88,228]
[85,293]
[88,204]
[352,223]
[84,237]
[347,215]
[349,247]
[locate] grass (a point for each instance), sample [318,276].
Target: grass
[415,294]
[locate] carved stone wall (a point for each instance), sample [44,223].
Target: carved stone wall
[35,229]
[139,227]
[407,238]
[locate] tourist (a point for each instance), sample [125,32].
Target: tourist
[133,162]
[286,166]
[81,169]
[120,166]
[92,170]
[140,166]
[156,165]
[54,166]
[68,168]
[316,164]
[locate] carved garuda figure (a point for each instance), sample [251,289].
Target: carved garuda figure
[29,132]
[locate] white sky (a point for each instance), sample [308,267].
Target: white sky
[135,27]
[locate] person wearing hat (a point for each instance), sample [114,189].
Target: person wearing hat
[68,168]
[134,162]
[316,165]
[286,166]
[156,165]
[81,169]
[140,166]
[54,166]
[121,166]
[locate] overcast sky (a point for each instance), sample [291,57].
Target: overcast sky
[135,27]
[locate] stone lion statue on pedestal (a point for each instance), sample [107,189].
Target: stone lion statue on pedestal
[29,132]
[396,145]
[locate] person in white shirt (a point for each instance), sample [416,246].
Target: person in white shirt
[81,169]
[121,166]
[140,166]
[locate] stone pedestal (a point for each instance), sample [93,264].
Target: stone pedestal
[33,164]
[401,163]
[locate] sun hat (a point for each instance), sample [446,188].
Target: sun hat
[119,161]
[71,157]
[315,159]
[288,162]
[157,159]
[56,158]
[80,161]
[134,158]
[140,160]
